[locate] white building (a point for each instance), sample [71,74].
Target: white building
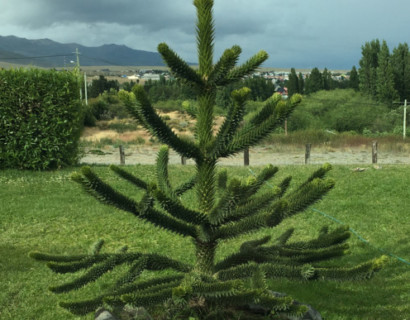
[150,76]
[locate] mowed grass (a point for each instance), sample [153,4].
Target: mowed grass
[46,211]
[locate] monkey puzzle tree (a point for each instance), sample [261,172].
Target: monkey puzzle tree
[224,208]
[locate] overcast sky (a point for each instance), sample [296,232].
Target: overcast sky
[295,33]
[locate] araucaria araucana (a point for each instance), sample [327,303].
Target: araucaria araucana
[226,208]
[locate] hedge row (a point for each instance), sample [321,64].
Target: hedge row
[41,119]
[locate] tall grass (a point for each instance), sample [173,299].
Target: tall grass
[118,125]
[338,140]
[45,211]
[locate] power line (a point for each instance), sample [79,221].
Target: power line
[38,57]
[105,61]
[65,55]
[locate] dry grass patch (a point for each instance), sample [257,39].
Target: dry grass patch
[127,130]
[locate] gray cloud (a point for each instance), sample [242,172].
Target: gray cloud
[42,13]
[299,33]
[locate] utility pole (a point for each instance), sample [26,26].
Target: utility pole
[404,119]
[85,89]
[77,53]
[78,58]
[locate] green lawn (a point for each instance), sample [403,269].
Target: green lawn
[45,211]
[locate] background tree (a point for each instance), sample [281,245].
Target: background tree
[385,90]
[400,61]
[327,79]
[168,89]
[261,89]
[293,83]
[218,209]
[314,82]
[301,83]
[98,86]
[127,86]
[368,67]
[354,79]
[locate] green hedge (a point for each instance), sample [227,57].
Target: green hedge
[41,119]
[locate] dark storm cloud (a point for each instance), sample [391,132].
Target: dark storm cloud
[299,33]
[154,15]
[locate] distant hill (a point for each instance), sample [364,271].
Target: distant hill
[51,54]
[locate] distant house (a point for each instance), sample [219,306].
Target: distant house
[150,76]
[133,77]
[283,91]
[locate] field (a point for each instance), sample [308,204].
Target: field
[100,145]
[45,211]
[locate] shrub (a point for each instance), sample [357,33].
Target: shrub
[41,119]
[89,118]
[99,109]
[343,110]
[109,105]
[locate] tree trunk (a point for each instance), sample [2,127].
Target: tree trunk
[205,255]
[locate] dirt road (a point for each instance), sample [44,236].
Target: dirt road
[258,156]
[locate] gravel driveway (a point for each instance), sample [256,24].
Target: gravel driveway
[258,156]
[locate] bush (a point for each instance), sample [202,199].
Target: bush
[343,110]
[41,119]
[108,106]
[99,108]
[89,118]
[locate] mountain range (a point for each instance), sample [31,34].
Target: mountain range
[51,54]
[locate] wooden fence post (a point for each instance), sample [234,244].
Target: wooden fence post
[307,153]
[374,152]
[122,155]
[183,160]
[246,156]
